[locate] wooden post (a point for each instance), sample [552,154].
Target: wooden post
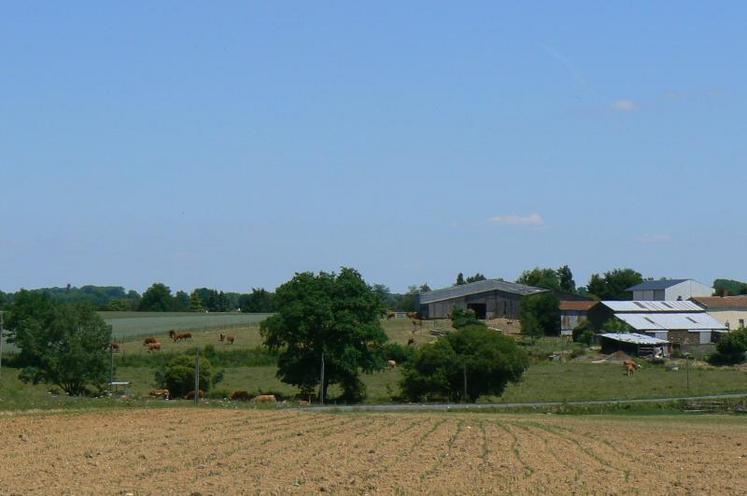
[197,377]
[321,384]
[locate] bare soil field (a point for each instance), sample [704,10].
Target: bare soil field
[214,452]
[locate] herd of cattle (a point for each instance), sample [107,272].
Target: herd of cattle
[154,344]
[235,396]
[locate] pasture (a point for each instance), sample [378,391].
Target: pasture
[210,451]
[128,326]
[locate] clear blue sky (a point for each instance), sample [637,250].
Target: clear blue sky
[229,145]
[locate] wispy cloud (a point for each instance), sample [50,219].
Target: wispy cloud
[565,62]
[625,105]
[653,239]
[519,220]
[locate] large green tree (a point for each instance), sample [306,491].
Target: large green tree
[484,359]
[61,344]
[540,315]
[565,280]
[725,287]
[258,301]
[334,315]
[613,285]
[157,298]
[540,278]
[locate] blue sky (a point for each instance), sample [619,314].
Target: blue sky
[230,146]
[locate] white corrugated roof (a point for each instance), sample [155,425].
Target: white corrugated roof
[671,321]
[632,337]
[652,306]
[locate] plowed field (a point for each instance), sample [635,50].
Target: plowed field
[188,451]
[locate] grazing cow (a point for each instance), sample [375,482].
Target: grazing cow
[154,346]
[411,341]
[241,396]
[630,367]
[191,395]
[390,315]
[391,363]
[149,340]
[180,336]
[230,339]
[160,393]
[114,347]
[265,398]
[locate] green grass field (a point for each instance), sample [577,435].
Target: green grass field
[543,381]
[132,325]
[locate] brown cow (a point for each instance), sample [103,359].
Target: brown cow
[114,347]
[630,367]
[160,393]
[191,395]
[154,346]
[149,340]
[230,339]
[265,398]
[390,315]
[411,341]
[241,396]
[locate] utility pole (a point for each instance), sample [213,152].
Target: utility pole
[197,377]
[464,370]
[111,369]
[321,383]
[1,343]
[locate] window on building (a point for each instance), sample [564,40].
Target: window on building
[741,323]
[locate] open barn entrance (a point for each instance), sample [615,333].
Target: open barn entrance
[480,309]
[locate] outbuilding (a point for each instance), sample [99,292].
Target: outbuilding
[489,299]
[669,290]
[729,310]
[634,344]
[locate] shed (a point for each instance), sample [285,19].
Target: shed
[489,299]
[669,290]
[633,344]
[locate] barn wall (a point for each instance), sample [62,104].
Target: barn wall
[497,303]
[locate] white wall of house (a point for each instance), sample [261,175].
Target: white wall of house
[686,290]
[731,318]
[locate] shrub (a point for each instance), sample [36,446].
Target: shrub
[462,318]
[489,360]
[540,315]
[731,348]
[179,375]
[397,352]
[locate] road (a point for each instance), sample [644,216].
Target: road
[507,406]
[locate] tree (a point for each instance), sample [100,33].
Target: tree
[258,301]
[540,278]
[731,348]
[2,300]
[178,376]
[156,298]
[476,277]
[331,315]
[181,302]
[726,287]
[195,302]
[614,284]
[460,280]
[487,359]
[540,315]
[61,344]
[565,279]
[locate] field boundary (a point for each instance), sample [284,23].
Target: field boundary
[510,406]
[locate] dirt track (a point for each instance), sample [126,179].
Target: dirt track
[186,451]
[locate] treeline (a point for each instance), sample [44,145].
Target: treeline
[157,298]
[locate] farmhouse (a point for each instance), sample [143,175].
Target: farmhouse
[489,299]
[679,322]
[669,290]
[572,312]
[729,310]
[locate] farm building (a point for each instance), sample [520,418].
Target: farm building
[572,312]
[634,344]
[669,290]
[679,322]
[729,310]
[489,299]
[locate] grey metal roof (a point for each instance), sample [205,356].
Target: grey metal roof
[654,285]
[478,287]
[633,338]
[652,306]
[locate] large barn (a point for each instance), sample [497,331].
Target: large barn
[489,299]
